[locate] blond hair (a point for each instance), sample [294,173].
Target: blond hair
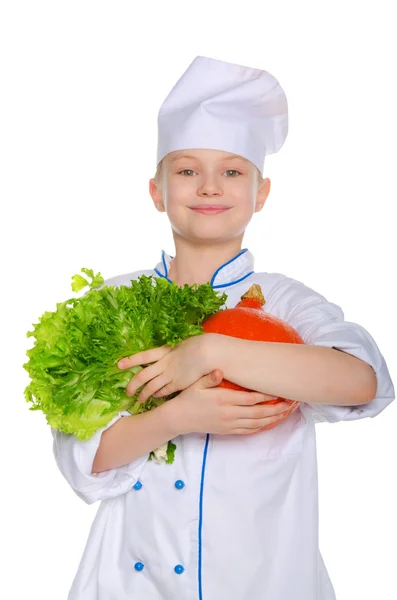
[157,176]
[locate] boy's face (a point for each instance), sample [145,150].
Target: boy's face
[208,177]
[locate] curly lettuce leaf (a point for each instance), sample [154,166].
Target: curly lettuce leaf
[79,282]
[75,380]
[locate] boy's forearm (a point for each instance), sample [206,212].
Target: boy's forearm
[313,374]
[132,437]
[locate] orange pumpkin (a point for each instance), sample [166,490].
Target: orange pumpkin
[248,320]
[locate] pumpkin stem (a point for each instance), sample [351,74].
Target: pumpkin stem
[255,293]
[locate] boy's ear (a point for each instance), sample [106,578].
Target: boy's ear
[263,192]
[155,193]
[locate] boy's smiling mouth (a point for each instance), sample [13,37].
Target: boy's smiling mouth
[209,208]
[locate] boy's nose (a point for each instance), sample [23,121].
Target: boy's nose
[209,188]
[209,193]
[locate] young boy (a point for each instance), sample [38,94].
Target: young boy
[235,516]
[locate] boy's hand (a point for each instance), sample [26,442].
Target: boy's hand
[174,369]
[205,408]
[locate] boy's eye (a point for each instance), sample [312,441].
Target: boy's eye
[228,171]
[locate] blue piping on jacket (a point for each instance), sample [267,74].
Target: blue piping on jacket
[200,526]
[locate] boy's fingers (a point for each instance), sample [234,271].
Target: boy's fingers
[143,358]
[249,398]
[255,424]
[141,378]
[268,397]
[252,416]
[247,416]
[261,411]
[212,379]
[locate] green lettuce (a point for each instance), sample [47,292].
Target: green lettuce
[75,380]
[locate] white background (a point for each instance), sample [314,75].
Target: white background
[82,82]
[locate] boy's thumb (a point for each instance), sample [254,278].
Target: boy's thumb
[212,379]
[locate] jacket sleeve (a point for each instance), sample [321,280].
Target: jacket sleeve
[321,323]
[75,458]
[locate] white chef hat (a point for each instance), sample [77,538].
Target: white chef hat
[223,106]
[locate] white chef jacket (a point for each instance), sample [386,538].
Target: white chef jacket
[234,517]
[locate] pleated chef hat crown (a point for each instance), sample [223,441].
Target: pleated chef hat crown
[222,106]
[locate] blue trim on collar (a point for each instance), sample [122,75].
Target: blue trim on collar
[215,287]
[165,266]
[227,263]
[161,275]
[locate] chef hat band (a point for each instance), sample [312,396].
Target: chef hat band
[223,106]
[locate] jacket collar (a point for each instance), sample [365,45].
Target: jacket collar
[233,271]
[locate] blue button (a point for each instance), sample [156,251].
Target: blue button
[179,569]
[137,486]
[139,566]
[179,484]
